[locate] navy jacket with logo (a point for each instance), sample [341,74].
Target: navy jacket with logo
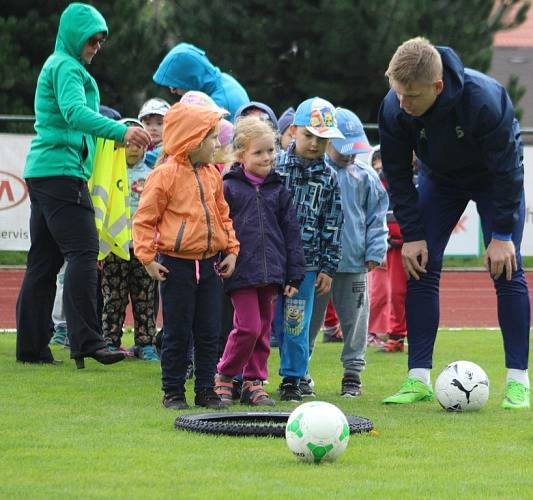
[266,226]
[469,138]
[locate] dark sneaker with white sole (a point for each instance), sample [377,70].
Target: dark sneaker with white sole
[306,389]
[208,398]
[289,391]
[351,386]
[175,401]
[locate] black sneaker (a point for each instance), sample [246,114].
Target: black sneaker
[351,386]
[305,388]
[207,397]
[175,401]
[289,391]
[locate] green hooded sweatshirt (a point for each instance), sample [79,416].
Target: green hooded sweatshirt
[67,103]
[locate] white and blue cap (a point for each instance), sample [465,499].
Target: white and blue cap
[318,116]
[355,140]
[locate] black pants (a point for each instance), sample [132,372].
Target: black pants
[189,304]
[61,228]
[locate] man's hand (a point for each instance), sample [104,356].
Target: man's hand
[415,258]
[156,271]
[289,291]
[137,136]
[227,266]
[500,255]
[323,283]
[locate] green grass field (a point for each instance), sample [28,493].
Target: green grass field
[102,433]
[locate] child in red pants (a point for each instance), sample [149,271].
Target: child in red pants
[387,284]
[332,324]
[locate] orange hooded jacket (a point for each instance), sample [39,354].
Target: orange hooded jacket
[182,211]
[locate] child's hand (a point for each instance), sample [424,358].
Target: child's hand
[156,271]
[372,264]
[290,291]
[323,283]
[227,266]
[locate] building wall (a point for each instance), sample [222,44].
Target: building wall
[519,61]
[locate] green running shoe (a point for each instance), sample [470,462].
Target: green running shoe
[517,395]
[410,391]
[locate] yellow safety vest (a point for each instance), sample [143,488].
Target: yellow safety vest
[110,195]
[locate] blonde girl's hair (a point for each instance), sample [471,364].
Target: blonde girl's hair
[248,128]
[224,154]
[415,60]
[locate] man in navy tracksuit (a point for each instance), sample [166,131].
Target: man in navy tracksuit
[462,127]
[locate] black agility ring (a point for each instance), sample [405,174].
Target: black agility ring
[251,423]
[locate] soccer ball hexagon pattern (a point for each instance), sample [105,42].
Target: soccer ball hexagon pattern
[462,386]
[317,432]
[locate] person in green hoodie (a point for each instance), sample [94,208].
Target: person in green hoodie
[58,166]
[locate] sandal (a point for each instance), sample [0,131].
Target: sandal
[253,394]
[223,388]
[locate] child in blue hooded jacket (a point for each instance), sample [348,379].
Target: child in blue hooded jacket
[187,67]
[364,244]
[271,258]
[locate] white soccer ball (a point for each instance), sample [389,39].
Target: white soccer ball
[317,432]
[462,386]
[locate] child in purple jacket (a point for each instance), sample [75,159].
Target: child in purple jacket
[271,259]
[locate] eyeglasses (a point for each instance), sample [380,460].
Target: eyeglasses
[95,40]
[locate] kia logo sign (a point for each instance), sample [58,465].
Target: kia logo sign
[13,190]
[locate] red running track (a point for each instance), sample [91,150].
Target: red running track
[467,298]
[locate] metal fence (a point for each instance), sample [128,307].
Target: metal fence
[371,128]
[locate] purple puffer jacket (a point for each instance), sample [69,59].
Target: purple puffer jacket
[266,226]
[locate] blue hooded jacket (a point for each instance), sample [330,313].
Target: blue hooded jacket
[469,138]
[364,204]
[187,67]
[266,226]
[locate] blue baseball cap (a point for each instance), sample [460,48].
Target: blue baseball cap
[355,140]
[318,116]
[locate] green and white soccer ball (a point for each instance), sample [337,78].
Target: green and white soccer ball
[462,386]
[317,432]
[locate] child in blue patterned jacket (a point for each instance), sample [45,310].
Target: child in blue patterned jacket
[316,197]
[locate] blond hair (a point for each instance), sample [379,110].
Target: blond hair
[223,154]
[415,60]
[248,128]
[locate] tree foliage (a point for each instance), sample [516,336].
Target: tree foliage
[282,51]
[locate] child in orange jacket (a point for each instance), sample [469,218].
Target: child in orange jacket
[183,217]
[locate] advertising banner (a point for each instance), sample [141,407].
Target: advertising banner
[15,205]
[14,202]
